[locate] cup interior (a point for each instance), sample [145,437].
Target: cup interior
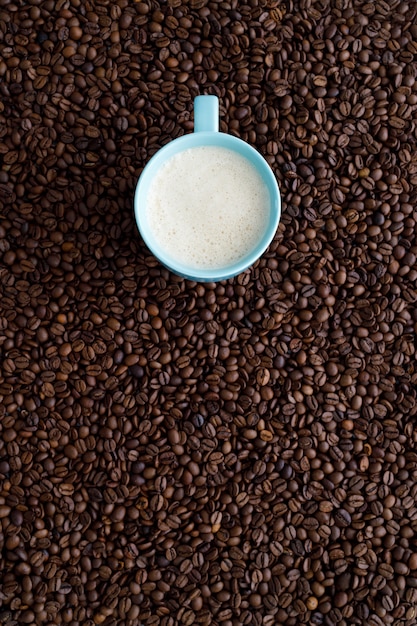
[207,139]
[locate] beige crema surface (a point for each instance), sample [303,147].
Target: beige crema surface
[207,207]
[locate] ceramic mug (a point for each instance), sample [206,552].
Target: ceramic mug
[206,133]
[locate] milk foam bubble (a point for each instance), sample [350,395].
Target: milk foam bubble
[207,207]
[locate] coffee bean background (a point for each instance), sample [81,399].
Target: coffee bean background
[174,453]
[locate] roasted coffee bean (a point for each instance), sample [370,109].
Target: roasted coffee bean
[242,451]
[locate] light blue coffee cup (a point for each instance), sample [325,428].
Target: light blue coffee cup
[206,133]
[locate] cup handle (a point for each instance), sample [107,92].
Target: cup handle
[206,114]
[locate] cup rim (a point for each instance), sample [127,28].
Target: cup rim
[219,139]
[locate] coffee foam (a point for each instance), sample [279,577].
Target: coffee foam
[207,207]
